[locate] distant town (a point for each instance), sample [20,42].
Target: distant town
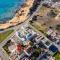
[37,37]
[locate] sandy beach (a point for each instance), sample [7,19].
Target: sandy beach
[20,16]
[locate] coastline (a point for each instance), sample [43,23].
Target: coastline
[20,16]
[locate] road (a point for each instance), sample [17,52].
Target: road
[3,54]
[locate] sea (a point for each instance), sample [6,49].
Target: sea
[8,9]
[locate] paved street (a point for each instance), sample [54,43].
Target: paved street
[3,55]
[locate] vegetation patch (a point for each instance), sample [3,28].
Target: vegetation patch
[57,56]
[4,35]
[58,27]
[36,54]
[38,26]
[5,47]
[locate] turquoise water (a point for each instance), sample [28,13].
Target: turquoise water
[8,8]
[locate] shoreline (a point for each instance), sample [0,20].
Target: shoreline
[20,16]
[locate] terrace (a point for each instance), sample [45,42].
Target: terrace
[38,38]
